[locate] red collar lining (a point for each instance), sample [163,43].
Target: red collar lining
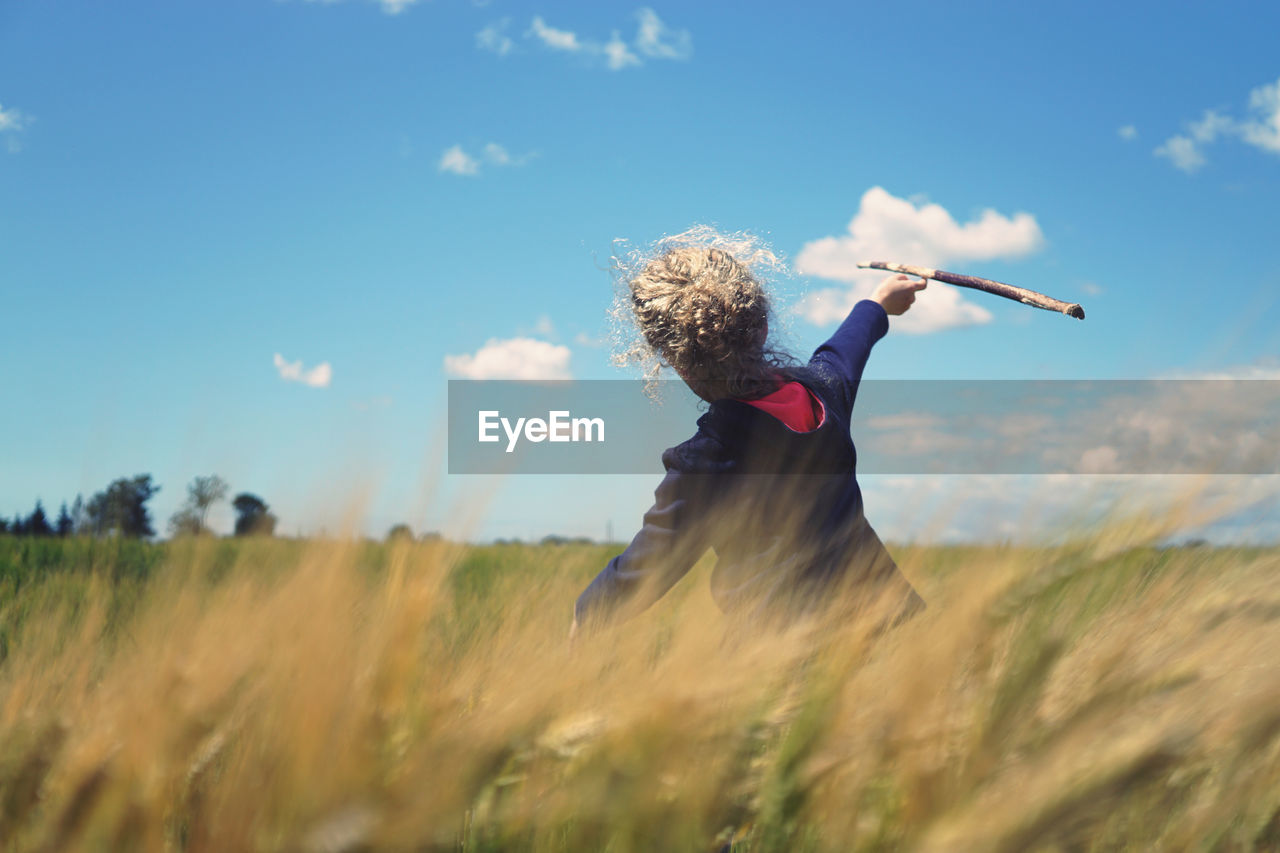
[798,408]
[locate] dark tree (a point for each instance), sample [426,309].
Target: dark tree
[64,526]
[121,509]
[38,523]
[253,516]
[401,532]
[18,527]
[4,524]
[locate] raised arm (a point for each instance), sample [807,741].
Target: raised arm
[845,353]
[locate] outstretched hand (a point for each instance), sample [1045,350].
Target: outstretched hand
[897,293]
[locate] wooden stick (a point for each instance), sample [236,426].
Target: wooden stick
[999,288]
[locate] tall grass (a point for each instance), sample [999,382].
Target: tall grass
[338,696]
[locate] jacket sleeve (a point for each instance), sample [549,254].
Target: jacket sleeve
[844,356]
[668,544]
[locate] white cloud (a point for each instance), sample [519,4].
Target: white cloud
[1092,288]
[894,229]
[658,41]
[1186,152]
[11,120]
[499,156]
[292,371]
[1210,126]
[494,38]
[943,308]
[1128,133]
[1261,129]
[458,162]
[1157,443]
[618,55]
[890,228]
[653,40]
[1183,152]
[1047,508]
[1184,427]
[554,38]
[513,358]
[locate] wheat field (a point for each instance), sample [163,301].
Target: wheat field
[276,695]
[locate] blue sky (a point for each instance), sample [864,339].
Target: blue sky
[393,192]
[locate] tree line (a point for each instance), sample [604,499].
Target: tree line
[121,510]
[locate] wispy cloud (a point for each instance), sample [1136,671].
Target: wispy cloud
[292,371]
[1128,133]
[457,161]
[1268,369]
[1259,128]
[617,55]
[889,228]
[658,41]
[1186,151]
[512,358]
[391,7]
[1050,507]
[494,38]
[499,156]
[1262,130]
[653,40]
[1182,152]
[554,38]
[1130,427]
[12,122]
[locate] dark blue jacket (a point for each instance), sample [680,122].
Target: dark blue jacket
[782,509]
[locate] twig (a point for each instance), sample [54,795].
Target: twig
[999,288]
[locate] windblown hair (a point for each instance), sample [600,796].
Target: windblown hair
[701,308]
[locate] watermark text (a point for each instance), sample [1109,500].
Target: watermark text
[558,426]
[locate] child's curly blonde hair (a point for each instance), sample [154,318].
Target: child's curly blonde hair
[701,309]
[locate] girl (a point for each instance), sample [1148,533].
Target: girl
[768,478]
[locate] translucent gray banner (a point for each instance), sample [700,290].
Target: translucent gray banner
[898,427]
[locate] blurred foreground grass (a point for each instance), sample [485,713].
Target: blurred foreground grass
[337,696]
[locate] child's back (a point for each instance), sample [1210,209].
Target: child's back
[768,481]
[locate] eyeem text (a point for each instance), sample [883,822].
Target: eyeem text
[558,426]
